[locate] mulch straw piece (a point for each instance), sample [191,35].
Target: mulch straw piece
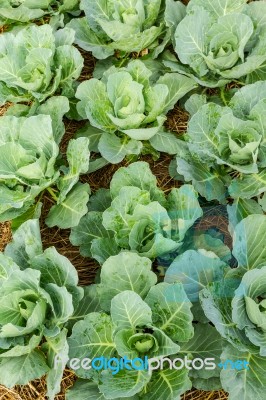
[177,120]
[2,112]
[215,218]
[202,395]
[71,127]
[89,65]
[37,389]
[5,237]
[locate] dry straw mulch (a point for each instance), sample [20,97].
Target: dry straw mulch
[5,234]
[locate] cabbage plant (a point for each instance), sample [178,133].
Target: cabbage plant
[39,294]
[140,318]
[223,152]
[220,42]
[127,26]
[233,300]
[136,215]
[128,109]
[36,63]
[23,11]
[236,306]
[30,165]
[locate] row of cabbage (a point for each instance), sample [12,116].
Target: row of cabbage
[206,299]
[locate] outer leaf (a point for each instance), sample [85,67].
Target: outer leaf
[34,212]
[102,249]
[58,346]
[93,134]
[171,310]
[84,390]
[249,186]
[14,203]
[223,8]
[88,304]
[124,384]
[204,140]
[21,370]
[206,343]
[62,304]
[56,107]
[207,182]
[95,104]
[114,149]
[128,310]
[7,267]
[17,349]
[100,200]
[240,209]
[90,228]
[194,103]
[145,133]
[244,384]
[55,268]
[68,213]
[178,85]
[26,243]
[167,384]
[195,271]
[191,40]
[88,40]
[20,14]
[91,338]
[174,13]
[126,271]
[184,209]
[248,242]
[139,175]
[247,309]
[216,303]
[78,156]
[166,142]
[246,98]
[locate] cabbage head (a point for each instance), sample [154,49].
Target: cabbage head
[136,215]
[128,108]
[127,26]
[39,294]
[140,318]
[36,63]
[236,306]
[224,152]
[23,11]
[30,165]
[218,42]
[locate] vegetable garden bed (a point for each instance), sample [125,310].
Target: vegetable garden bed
[132,199]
